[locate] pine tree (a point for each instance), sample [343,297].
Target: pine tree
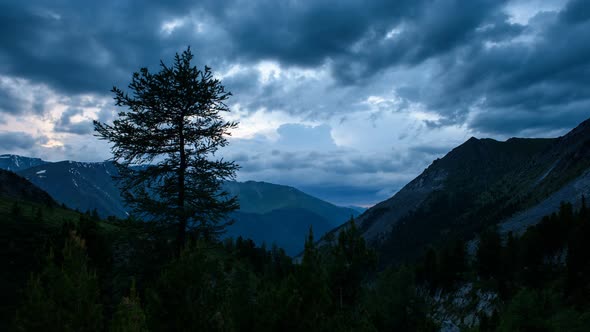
[353,261]
[394,304]
[129,316]
[191,294]
[313,298]
[173,128]
[62,297]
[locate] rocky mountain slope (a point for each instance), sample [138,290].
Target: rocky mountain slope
[16,163]
[480,183]
[82,186]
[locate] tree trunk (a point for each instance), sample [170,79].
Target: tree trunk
[182,222]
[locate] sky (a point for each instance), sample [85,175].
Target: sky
[347,100]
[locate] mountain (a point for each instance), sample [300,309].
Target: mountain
[263,197]
[16,188]
[82,186]
[559,174]
[480,183]
[282,215]
[16,163]
[268,212]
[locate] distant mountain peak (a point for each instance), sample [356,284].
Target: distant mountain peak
[17,163]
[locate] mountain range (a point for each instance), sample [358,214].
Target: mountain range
[480,184]
[268,213]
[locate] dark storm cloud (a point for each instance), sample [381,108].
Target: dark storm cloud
[577,11]
[435,29]
[466,61]
[519,85]
[77,47]
[307,33]
[10,141]
[9,103]
[337,162]
[65,125]
[86,46]
[90,46]
[13,102]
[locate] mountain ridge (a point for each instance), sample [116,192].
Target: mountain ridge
[86,186]
[478,184]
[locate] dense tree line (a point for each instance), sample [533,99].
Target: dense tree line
[229,285]
[123,276]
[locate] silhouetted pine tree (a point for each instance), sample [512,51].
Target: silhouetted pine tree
[352,263]
[173,127]
[313,294]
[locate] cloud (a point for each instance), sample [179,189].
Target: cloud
[65,125]
[296,136]
[472,50]
[13,141]
[81,48]
[331,94]
[18,96]
[531,82]
[10,103]
[576,11]
[309,158]
[88,49]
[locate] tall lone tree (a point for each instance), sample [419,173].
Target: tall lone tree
[164,145]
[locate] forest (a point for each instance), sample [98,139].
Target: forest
[69,271]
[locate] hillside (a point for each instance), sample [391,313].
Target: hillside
[16,163]
[262,215]
[82,186]
[32,223]
[480,183]
[263,197]
[16,188]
